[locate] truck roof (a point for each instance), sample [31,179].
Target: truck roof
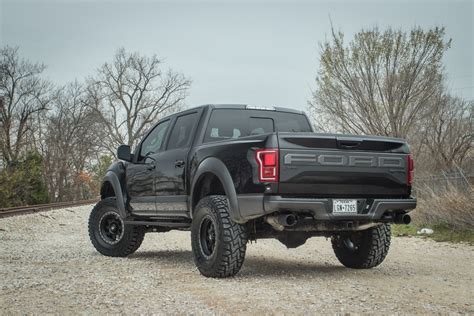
[251,107]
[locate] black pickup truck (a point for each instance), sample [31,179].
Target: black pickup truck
[234,173]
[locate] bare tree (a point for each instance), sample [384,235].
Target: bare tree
[24,94]
[72,132]
[449,133]
[380,83]
[131,93]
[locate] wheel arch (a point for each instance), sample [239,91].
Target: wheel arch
[212,172]
[111,187]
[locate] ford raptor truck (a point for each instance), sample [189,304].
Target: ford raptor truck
[234,173]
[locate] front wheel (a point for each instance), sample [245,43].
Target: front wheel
[364,249]
[108,233]
[218,243]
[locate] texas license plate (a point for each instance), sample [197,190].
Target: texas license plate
[344,206]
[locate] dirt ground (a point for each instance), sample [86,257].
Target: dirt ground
[47,265]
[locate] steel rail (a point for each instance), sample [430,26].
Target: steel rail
[29,209]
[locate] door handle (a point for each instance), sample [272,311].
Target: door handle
[179,163]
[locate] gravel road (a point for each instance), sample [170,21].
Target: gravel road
[48,265]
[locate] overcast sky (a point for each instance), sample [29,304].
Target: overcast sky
[253,52]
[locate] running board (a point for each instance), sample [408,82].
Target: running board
[158,223]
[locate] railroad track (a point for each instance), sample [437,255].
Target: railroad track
[21,210]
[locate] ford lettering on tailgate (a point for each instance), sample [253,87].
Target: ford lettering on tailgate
[349,160]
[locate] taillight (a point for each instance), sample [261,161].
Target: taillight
[267,160]
[410,166]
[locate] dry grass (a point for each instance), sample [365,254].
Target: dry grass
[451,208]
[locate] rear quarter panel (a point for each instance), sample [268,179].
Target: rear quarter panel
[238,157]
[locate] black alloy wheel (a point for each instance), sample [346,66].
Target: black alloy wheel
[111,228]
[109,234]
[207,233]
[218,243]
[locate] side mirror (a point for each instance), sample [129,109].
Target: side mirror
[123,153]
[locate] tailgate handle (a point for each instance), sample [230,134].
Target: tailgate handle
[349,144]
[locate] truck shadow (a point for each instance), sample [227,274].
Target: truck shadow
[167,257]
[274,266]
[253,266]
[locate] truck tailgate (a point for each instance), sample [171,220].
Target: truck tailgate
[342,165]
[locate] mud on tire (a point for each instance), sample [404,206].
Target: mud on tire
[108,233]
[363,250]
[218,243]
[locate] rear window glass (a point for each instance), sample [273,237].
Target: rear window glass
[231,123]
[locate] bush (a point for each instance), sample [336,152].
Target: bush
[21,183]
[452,208]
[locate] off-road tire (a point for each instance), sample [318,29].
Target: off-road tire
[130,240]
[371,251]
[228,254]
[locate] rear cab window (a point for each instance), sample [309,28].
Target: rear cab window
[226,124]
[181,134]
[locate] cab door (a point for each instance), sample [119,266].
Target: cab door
[170,174]
[140,175]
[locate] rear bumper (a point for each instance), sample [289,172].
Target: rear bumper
[254,206]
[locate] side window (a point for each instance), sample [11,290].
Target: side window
[181,133]
[226,124]
[154,140]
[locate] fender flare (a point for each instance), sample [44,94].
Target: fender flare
[114,181]
[217,167]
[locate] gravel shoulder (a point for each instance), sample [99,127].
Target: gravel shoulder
[47,265]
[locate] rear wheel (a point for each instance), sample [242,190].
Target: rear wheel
[218,243]
[363,250]
[108,233]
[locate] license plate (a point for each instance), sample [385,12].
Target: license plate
[344,206]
